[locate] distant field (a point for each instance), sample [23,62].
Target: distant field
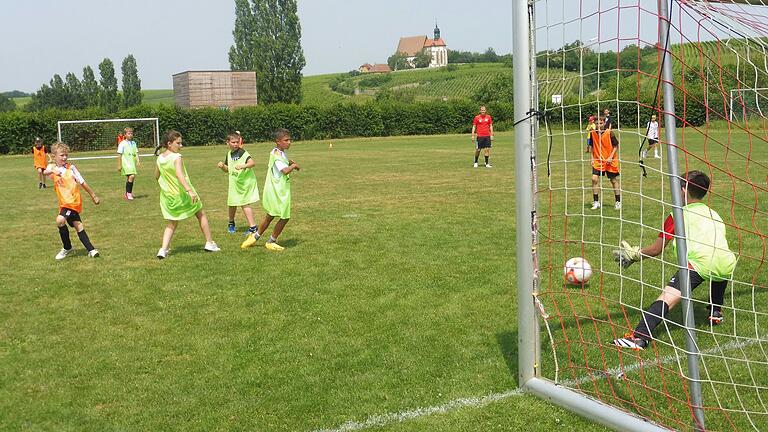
[151,97]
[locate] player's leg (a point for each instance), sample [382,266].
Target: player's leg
[83,236]
[66,243]
[248,211]
[170,228]
[202,219]
[129,186]
[41,178]
[477,153]
[272,242]
[231,225]
[716,298]
[252,239]
[595,189]
[615,182]
[488,155]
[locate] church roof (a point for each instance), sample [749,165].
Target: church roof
[411,45]
[432,42]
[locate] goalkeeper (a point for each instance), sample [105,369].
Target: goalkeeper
[709,259]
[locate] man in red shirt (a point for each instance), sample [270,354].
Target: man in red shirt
[483,125]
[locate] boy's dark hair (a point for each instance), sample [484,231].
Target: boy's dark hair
[280,133]
[697,183]
[236,135]
[38,140]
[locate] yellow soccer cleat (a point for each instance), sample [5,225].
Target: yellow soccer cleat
[274,247]
[248,242]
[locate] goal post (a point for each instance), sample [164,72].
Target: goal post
[692,65]
[102,134]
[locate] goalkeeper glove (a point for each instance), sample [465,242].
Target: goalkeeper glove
[627,254]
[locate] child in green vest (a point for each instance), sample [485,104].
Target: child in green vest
[276,199]
[243,186]
[178,198]
[128,160]
[709,260]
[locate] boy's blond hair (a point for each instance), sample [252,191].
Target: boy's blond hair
[127,128]
[59,147]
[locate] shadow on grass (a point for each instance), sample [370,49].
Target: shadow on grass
[508,346]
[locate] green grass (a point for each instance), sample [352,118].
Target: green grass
[395,292]
[157,97]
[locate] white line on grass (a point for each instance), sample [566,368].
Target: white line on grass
[380,420]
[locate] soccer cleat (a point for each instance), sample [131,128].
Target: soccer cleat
[274,247]
[129,196]
[475,165]
[644,155]
[631,342]
[211,247]
[248,242]
[595,205]
[488,165]
[231,228]
[162,253]
[45,186]
[93,253]
[63,253]
[39,185]
[617,206]
[716,317]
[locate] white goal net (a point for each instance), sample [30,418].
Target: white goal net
[104,134]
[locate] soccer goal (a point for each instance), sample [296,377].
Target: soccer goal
[90,135]
[746,103]
[705,364]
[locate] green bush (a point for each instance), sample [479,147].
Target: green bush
[210,125]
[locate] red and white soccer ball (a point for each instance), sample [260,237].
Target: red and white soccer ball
[577,271]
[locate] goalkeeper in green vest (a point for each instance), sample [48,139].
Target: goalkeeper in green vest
[276,198]
[709,260]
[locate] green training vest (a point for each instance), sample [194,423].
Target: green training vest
[243,185]
[175,202]
[708,250]
[277,189]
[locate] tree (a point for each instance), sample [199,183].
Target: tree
[109,100]
[131,82]
[422,59]
[90,88]
[6,104]
[267,39]
[73,92]
[398,61]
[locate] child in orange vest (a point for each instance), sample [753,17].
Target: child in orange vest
[67,182]
[40,158]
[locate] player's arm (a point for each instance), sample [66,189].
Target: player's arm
[614,146]
[250,163]
[90,191]
[157,172]
[120,151]
[473,133]
[291,167]
[138,162]
[183,180]
[222,166]
[490,128]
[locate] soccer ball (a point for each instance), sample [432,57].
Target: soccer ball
[577,271]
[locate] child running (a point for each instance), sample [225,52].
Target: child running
[41,159]
[243,185]
[277,192]
[128,160]
[67,181]
[178,199]
[710,260]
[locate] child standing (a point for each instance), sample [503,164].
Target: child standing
[243,186]
[178,199]
[277,192]
[709,259]
[128,160]
[67,182]
[652,133]
[41,159]
[591,126]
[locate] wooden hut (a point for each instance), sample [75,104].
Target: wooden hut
[221,89]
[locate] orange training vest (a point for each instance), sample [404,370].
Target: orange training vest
[39,157]
[68,190]
[601,149]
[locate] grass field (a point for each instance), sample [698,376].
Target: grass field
[393,306]
[151,97]
[394,298]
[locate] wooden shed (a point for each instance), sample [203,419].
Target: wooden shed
[195,89]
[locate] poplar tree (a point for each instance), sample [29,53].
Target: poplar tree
[131,82]
[267,39]
[109,99]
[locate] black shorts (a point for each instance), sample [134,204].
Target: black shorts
[695,279]
[71,216]
[608,174]
[652,141]
[483,142]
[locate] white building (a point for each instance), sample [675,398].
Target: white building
[436,47]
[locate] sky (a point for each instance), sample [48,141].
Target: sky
[40,38]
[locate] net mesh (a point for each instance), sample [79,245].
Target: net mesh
[608,55]
[104,134]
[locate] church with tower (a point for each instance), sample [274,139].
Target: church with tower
[435,46]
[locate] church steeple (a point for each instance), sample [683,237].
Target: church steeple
[437,31]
